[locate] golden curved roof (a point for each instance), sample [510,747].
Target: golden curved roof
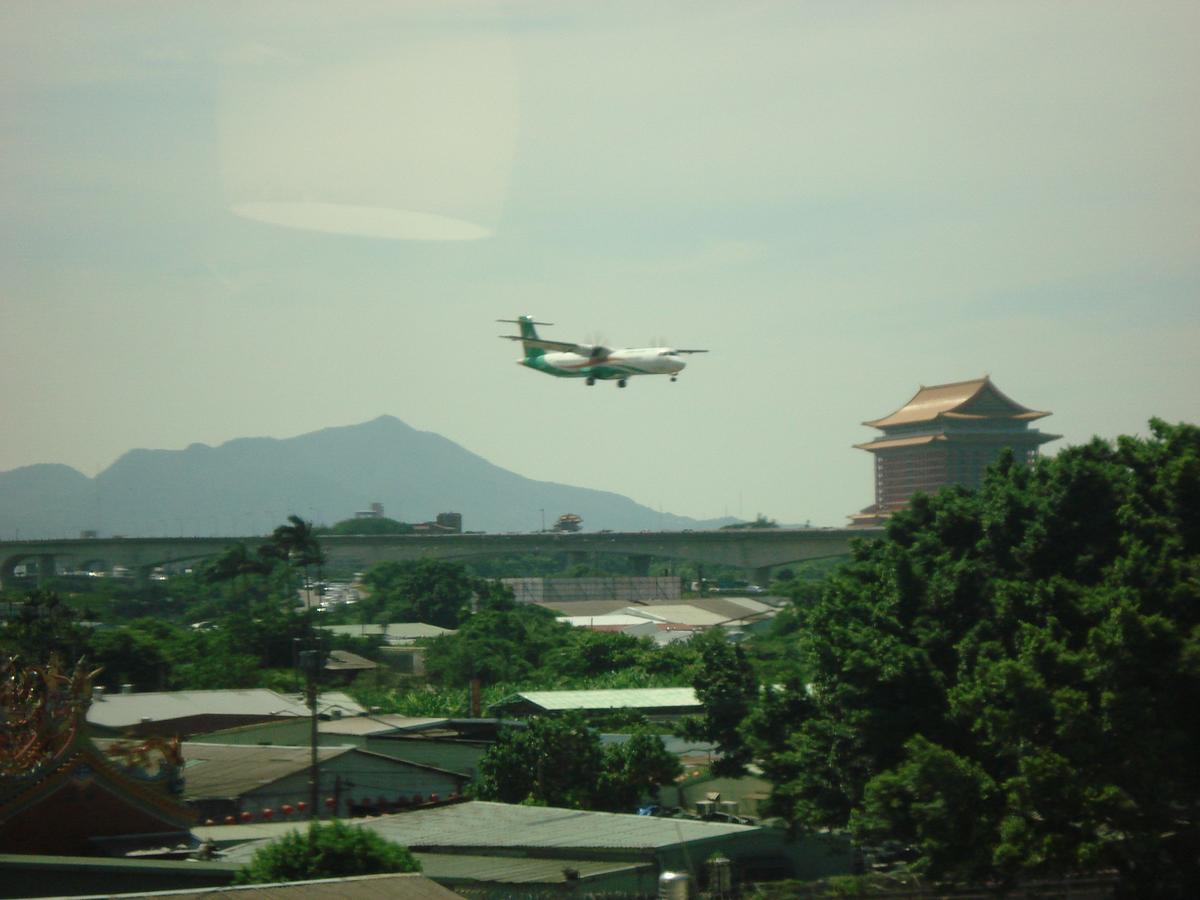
[975,399]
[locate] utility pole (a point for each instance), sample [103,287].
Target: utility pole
[310,663]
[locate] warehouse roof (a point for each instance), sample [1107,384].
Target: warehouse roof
[376,724]
[404,885]
[393,632]
[613,620]
[230,770]
[127,710]
[480,824]
[627,698]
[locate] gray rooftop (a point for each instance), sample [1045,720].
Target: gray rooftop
[479,824]
[627,698]
[393,632]
[127,710]
[385,724]
[230,770]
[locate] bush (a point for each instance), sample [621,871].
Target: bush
[335,850]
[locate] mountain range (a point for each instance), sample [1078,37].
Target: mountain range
[248,486]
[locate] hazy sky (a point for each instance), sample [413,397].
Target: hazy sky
[842,200]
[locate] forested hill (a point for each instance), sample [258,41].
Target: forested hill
[249,485]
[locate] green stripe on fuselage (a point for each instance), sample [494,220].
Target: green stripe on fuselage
[602,372]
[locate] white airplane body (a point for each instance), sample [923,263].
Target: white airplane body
[564,359]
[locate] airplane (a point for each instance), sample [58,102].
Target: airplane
[567,360]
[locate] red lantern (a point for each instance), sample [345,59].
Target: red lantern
[247,816]
[229,820]
[433,798]
[302,806]
[287,809]
[417,799]
[208,822]
[330,802]
[268,814]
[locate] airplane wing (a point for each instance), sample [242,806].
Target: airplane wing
[691,351]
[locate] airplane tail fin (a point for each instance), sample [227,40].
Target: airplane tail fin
[526,325]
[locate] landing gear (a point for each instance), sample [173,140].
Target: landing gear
[673,378]
[621,383]
[591,379]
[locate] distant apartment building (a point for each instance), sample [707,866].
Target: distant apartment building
[946,434]
[375,512]
[451,521]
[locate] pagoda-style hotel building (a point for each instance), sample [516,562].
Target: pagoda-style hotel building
[946,434]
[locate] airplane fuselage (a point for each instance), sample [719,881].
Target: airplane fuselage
[615,365]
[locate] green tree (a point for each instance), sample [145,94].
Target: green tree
[500,643]
[335,850]
[133,654]
[426,590]
[553,761]
[1009,681]
[297,543]
[236,564]
[633,770]
[43,626]
[727,687]
[558,761]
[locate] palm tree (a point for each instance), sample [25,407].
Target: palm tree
[298,544]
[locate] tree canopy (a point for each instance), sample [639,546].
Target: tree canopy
[558,761]
[425,590]
[1009,681]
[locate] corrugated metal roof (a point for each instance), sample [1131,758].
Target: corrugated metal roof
[679,614]
[361,725]
[345,661]
[613,620]
[636,698]
[230,770]
[481,867]
[583,607]
[126,710]
[483,824]
[393,631]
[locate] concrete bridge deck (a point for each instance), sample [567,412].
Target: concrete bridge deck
[753,550]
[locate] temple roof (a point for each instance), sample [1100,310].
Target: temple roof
[978,400]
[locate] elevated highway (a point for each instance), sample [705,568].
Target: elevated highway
[754,550]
